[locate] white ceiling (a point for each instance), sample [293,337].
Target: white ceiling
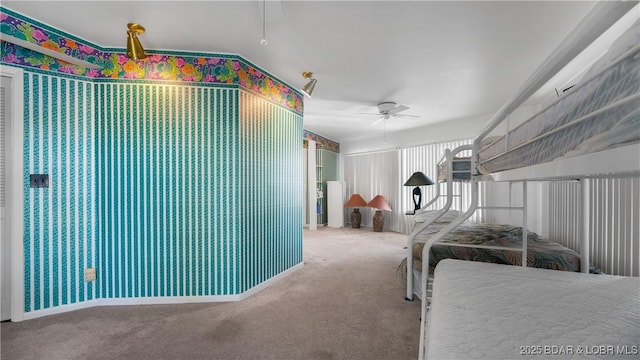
[447,60]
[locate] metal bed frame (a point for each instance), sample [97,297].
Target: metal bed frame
[583,167]
[450,173]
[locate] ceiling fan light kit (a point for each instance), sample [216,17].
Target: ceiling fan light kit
[386,106]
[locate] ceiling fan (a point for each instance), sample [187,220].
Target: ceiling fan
[389,109]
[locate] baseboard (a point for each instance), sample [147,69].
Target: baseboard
[165,300]
[265,284]
[161,300]
[60,309]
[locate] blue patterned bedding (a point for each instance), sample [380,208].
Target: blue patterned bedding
[541,253]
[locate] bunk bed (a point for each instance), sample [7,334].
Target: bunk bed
[483,310]
[484,242]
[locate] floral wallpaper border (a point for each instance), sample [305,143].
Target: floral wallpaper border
[169,66]
[321,142]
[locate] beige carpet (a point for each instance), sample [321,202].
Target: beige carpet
[345,303]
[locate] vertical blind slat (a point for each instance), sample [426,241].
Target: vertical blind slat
[614,209]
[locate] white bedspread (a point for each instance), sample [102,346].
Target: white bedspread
[491,311]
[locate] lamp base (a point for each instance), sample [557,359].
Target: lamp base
[417,198]
[378,221]
[356,217]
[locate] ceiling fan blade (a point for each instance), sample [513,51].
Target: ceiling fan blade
[366,113]
[406,115]
[398,109]
[378,120]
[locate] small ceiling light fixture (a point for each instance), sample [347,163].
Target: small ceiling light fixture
[308,89]
[134,48]
[264,40]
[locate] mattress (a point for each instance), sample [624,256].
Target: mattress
[491,311]
[599,113]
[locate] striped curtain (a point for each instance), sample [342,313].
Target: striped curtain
[368,175]
[385,172]
[613,229]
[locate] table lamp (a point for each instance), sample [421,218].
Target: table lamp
[355,201]
[378,203]
[418,179]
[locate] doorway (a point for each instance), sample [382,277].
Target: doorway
[11,193]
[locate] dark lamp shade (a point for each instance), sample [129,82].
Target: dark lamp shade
[418,179]
[379,203]
[355,201]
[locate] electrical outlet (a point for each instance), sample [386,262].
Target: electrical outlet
[89,274]
[39,181]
